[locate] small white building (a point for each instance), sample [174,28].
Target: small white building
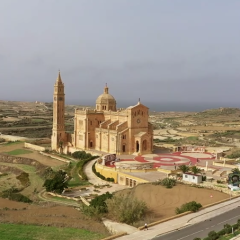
[191,177]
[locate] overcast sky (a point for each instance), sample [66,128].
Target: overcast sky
[159,50]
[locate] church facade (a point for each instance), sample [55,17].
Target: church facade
[106,129]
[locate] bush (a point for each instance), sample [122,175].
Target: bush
[213,235]
[204,178]
[228,228]
[166,182]
[100,202]
[197,239]
[14,195]
[81,155]
[190,206]
[222,232]
[126,209]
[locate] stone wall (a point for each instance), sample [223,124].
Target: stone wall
[34,147]
[21,160]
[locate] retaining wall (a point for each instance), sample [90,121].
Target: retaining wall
[34,147]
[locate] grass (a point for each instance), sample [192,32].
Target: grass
[62,199]
[19,152]
[12,143]
[35,180]
[38,120]
[220,186]
[76,180]
[32,232]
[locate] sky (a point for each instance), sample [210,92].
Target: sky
[178,51]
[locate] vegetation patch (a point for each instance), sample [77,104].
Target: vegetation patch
[190,206]
[24,179]
[100,175]
[57,183]
[19,152]
[235,154]
[12,142]
[126,209]
[73,170]
[166,182]
[29,232]
[13,194]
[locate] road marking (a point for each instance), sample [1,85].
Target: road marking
[229,219]
[189,235]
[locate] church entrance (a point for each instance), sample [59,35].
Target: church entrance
[137,146]
[124,148]
[144,145]
[91,144]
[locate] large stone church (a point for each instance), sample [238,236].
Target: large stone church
[106,128]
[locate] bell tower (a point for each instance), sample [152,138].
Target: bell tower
[58,130]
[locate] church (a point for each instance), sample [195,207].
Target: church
[106,128]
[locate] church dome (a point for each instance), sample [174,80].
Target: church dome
[106,101]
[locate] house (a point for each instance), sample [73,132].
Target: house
[191,177]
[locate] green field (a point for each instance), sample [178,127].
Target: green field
[76,180]
[19,152]
[12,143]
[32,232]
[38,120]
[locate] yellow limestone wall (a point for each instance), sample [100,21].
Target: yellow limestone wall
[107,172]
[119,177]
[34,147]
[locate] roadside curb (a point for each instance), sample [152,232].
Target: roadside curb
[210,205]
[115,236]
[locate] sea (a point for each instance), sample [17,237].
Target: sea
[170,106]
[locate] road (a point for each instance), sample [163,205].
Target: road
[202,229]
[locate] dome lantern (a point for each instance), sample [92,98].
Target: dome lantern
[106,101]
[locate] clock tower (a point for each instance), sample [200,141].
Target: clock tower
[58,130]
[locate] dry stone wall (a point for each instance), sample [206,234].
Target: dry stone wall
[20,160]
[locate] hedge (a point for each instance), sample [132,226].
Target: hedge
[100,175]
[81,165]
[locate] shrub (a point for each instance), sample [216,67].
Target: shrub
[213,235]
[222,232]
[167,182]
[126,209]
[197,239]
[81,155]
[100,202]
[228,228]
[204,178]
[190,206]
[207,238]
[13,194]
[91,212]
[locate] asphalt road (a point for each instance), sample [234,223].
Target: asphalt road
[202,229]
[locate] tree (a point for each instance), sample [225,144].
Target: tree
[236,170]
[195,170]
[183,168]
[58,183]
